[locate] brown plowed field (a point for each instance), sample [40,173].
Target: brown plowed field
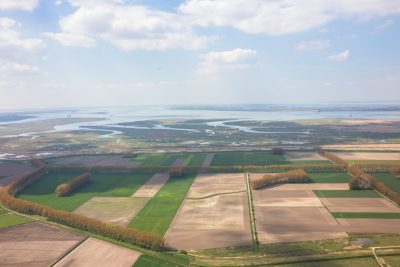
[116,210]
[379,205]
[207,220]
[152,186]
[370,225]
[368,156]
[95,252]
[35,244]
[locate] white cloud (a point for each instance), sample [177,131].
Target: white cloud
[313,45]
[7,68]
[19,4]
[342,56]
[284,16]
[11,42]
[215,62]
[131,27]
[384,25]
[70,39]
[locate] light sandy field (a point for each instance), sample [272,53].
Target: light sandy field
[97,161]
[116,210]
[303,156]
[11,171]
[380,205]
[290,224]
[35,244]
[152,186]
[178,162]
[368,156]
[370,225]
[293,198]
[294,214]
[207,162]
[210,184]
[376,147]
[313,186]
[367,121]
[216,221]
[95,252]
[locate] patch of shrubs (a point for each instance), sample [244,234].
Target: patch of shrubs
[294,176]
[77,182]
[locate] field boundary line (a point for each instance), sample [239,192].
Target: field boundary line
[69,251]
[217,194]
[251,211]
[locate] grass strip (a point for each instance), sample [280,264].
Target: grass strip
[365,215]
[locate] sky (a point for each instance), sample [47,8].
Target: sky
[81,53]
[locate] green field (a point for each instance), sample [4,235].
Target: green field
[347,193]
[159,212]
[330,177]
[148,261]
[105,185]
[240,158]
[365,215]
[8,219]
[389,180]
[195,159]
[365,262]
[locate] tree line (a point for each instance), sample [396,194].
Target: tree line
[65,189]
[270,179]
[129,235]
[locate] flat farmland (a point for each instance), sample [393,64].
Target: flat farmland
[95,252]
[304,157]
[389,180]
[380,205]
[330,177]
[369,156]
[116,210]
[96,161]
[35,244]
[293,215]
[159,212]
[152,186]
[212,218]
[241,158]
[369,225]
[9,171]
[101,185]
[9,219]
[347,193]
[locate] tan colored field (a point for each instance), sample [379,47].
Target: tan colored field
[152,186]
[368,156]
[303,156]
[380,205]
[293,215]
[216,221]
[97,161]
[293,198]
[210,184]
[116,210]
[370,225]
[367,121]
[290,224]
[95,252]
[376,147]
[10,171]
[207,161]
[312,186]
[35,244]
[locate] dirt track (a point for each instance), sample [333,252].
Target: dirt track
[95,252]
[35,244]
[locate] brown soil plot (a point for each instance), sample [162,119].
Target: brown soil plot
[220,220]
[95,252]
[380,205]
[35,244]
[303,156]
[368,156]
[116,210]
[370,225]
[152,186]
[277,198]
